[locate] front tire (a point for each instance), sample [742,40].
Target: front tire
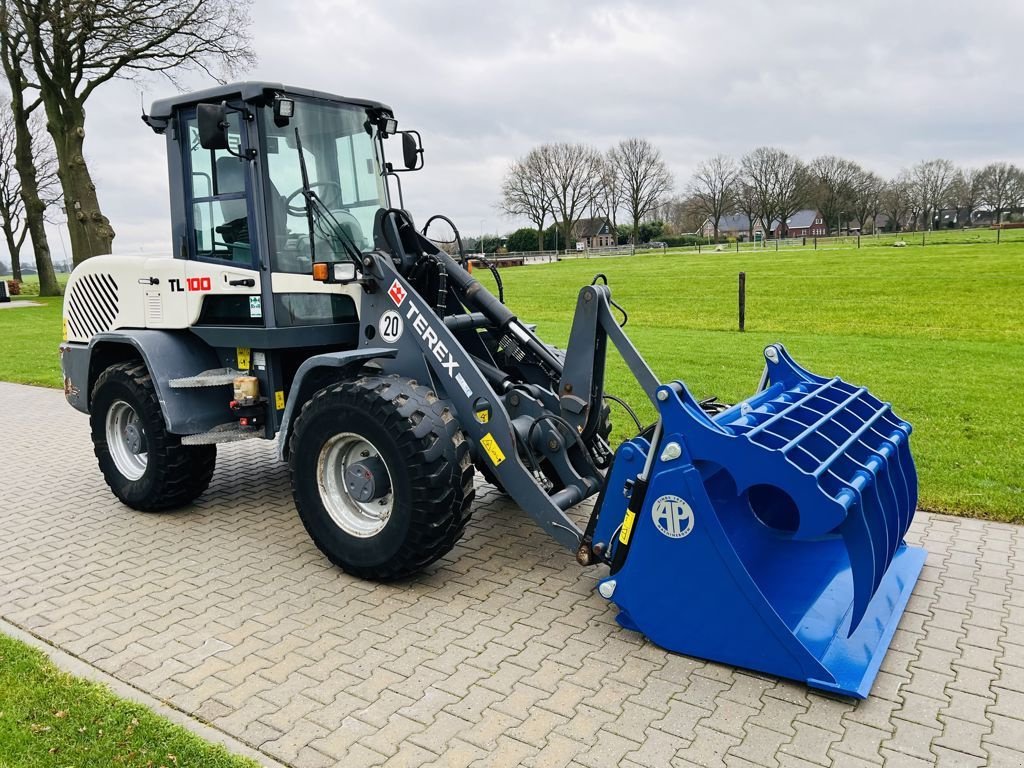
[145,466]
[381,475]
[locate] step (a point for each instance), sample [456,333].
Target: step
[231,432]
[215,377]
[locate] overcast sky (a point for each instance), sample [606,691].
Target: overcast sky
[887,83]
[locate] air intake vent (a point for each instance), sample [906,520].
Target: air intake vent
[154,308]
[92,306]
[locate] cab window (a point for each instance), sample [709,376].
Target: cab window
[217,181]
[338,147]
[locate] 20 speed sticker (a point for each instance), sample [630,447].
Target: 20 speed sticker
[391,326]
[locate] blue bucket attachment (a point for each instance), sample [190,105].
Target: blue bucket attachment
[771,535]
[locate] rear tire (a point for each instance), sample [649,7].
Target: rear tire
[422,459]
[145,466]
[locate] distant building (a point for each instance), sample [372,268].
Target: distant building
[877,223]
[595,233]
[805,223]
[734,225]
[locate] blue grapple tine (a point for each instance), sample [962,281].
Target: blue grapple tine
[779,525]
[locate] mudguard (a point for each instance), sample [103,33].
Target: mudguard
[168,355]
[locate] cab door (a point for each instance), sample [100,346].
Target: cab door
[222,279]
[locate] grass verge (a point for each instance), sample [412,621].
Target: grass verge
[50,718]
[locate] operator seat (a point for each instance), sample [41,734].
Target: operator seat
[235,229]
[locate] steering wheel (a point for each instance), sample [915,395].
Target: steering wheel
[296,210]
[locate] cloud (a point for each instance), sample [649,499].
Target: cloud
[883,83]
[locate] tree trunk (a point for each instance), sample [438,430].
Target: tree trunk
[14,249]
[34,207]
[15,262]
[89,230]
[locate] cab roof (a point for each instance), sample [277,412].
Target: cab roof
[249,90]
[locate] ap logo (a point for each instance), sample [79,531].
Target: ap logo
[672,516]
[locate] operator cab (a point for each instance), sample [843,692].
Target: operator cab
[272,179]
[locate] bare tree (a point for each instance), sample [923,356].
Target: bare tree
[643,175]
[609,199]
[1015,199]
[996,187]
[897,200]
[13,48]
[573,178]
[965,193]
[680,215]
[781,185]
[834,190]
[713,189]
[747,203]
[866,196]
[13,219]
[72,48]
[524,191]
[932,180]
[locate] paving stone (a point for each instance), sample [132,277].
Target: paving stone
[759,746]
[810,743]
[558,752]
[501,653]
[709,747]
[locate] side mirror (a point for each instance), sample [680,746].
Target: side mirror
[213,126]
[412,152]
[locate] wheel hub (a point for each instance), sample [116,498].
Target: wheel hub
[135,438]
[126,440]
[367,480]
[355,485]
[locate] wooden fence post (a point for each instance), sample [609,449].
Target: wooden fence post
[743,300]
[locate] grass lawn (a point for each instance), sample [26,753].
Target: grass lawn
[49,718]
[938,331]
[29,337]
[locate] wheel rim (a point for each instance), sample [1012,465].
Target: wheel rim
[362,519]
[126,440]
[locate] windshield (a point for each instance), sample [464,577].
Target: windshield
[344,173]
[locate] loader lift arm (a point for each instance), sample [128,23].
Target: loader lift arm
[525,424]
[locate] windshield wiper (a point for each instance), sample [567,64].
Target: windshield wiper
[313,202]
[335,230]
[306,193]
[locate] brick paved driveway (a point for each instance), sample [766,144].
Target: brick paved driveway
[500,655]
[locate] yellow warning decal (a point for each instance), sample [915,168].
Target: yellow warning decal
[244,358]
[483,416]
[490,446]
[65,329]
[279,400]
[627,527]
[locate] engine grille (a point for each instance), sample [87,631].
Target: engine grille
[92,306]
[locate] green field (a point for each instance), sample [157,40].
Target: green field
[938,331]
[49,718]
[29,337]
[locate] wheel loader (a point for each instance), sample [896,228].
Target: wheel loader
[301,303]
